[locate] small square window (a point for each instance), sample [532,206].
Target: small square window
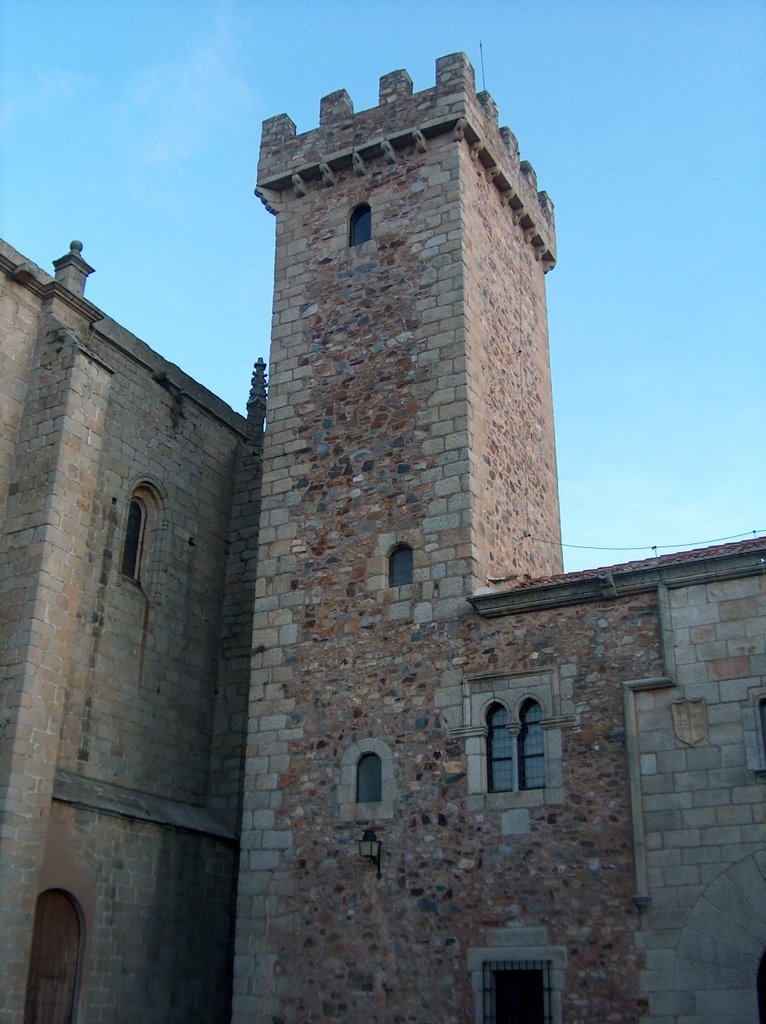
[517,992]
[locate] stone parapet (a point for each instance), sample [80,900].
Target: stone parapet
[347,141]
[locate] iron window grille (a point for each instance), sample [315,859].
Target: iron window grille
[499,751]
[517,992]
[531,747]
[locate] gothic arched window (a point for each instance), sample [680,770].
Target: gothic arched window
[499,751]
[531,747]
[400,566]
[360,225]
[369,779]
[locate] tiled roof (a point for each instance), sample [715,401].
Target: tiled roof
[715,551]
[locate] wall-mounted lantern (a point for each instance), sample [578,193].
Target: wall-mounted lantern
[369,847]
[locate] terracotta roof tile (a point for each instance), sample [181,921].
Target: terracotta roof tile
[714,551]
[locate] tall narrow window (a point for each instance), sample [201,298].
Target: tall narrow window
[360,225]
[761,987]
[531,749]
[369,779]
[400,566]
[134,540]
[499,751]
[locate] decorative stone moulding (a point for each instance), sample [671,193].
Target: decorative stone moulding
[291,164]
[419,139]
[325,170]
[328,176]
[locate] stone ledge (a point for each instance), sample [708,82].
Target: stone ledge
[107,798]
[706,567]
[519,194]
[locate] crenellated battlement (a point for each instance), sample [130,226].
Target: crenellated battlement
[346,142]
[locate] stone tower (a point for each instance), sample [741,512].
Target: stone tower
[421,355]
[409,408]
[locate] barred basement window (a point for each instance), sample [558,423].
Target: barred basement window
[499,751]
[517,992]
[360,225]
[531,742]
[400,566]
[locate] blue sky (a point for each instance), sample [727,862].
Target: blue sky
[134,126]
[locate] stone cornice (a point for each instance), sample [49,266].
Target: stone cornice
[44,287]
[107,798]
[707,567]
[528,207]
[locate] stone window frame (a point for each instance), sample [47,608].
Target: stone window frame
[151,495]
[494,970]
[518,945]
[512,690]
[410,600]
[348,807]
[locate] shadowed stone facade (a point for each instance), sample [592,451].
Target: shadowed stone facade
[123,698]
[191,734]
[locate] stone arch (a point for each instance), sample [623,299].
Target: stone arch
[721,947]
[142,539]
[350,809]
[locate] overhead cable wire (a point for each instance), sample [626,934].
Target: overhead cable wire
[650,547]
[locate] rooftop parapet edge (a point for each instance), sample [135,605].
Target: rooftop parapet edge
[402,119]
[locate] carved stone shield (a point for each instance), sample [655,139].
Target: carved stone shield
[690,721]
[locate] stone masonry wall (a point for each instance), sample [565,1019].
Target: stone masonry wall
[19,315]
[513,482]
[157,906]
[51,490]
[108,681]
[339,944]
[372,381]
[703,795]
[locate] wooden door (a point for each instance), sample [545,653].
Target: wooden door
[53,965]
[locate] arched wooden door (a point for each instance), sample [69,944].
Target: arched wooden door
[53,965]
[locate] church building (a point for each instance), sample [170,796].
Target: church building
[301,719]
